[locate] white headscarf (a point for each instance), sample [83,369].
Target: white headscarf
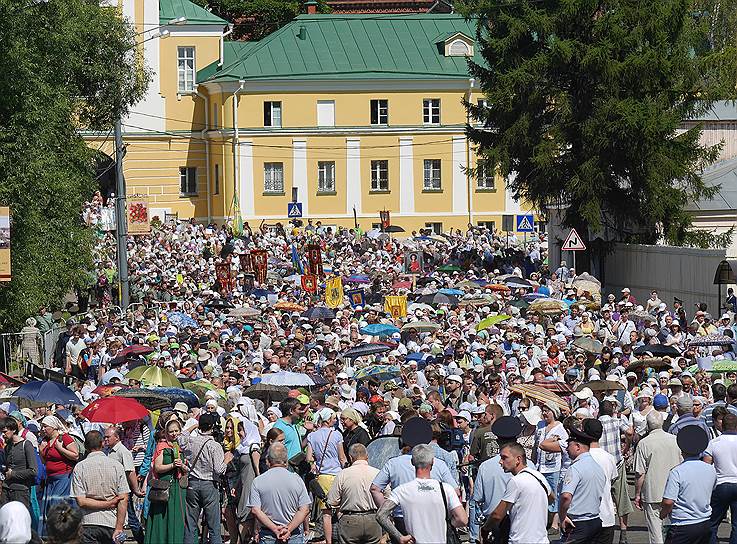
[54,422]
[15,524]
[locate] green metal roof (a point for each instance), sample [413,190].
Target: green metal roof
[364,46]
[196,15]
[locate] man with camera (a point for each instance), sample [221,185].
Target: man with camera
[207,462]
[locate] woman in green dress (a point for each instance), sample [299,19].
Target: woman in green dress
[165,522]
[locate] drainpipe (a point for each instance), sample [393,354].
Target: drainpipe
[206,99]
[236,139]
[222,44]
[471,83]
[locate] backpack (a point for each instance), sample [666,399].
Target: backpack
[79,442]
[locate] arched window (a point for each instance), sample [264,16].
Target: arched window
[459,48]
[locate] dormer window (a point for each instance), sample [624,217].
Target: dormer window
[459,48]
[455,44]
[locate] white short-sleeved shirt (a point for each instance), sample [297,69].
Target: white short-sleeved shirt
[609,465]
[723,449]
[529,511]
[422,505]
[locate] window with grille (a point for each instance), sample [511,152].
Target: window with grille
[484,175]
[272,114]
[379,112]
[273,177]
[431,111]
[325,177]
[379,175]
[431,177]
[188,180]
[185,69]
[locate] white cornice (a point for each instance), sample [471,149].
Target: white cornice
[330,85]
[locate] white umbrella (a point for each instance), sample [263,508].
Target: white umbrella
[292,379]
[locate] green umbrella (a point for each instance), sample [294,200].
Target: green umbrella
[519,303]
[724,366]
[491,321]
[421,326]
[154,375]
[449,268]
[201,387]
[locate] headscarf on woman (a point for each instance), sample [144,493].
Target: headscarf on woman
[15,523]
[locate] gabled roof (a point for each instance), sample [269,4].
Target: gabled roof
[724,174]
[365,46]
[171,9]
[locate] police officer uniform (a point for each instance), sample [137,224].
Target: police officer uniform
[586,482]
[689,486]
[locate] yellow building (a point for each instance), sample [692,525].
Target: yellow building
[350,114]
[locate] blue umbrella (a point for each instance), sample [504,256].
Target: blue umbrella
[382,373]
[318,312]
[455,292]
[534,296]
[379,329]
[415,356]
[47,392]
[175,394]
[358,278]
[258,293]
[180,319]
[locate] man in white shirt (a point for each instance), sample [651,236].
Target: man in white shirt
[722,453]
[608,464]
[525,500]
[424,503]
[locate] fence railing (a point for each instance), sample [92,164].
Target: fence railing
[18,350]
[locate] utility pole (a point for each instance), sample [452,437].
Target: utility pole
[121,223]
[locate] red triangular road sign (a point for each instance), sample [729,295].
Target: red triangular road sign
[573,242]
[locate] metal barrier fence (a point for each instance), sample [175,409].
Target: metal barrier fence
[18,350]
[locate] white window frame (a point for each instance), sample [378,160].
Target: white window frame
[481,103]
[325,176]
[490,225]
[484,175]
[272,114]
[381,105]
[466,49]
[188,180]
[379,183]
[437,227]
[186,68]
[431,111]
[431,175]
[274,177]
[326,113]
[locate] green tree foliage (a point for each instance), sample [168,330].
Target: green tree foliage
[584,103]
[256,19]
[67,66]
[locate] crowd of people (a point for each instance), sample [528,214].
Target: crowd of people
[500,399]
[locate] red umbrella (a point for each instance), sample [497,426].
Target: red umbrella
[135,349]
[402,284]
[107,390]
[114,410]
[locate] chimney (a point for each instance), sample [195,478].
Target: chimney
[311,6]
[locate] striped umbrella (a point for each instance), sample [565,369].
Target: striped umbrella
[537,392]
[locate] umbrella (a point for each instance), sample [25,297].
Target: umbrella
[518,283]
[474,301]
[724,366]
[135,349]
[586,283]
[711,340]
[418,306]
[107,390]
[289,306]
[519,303]
[393,228]
[379,329]
[373,233]
[497,287]
[588,344]
[601,385]
[362,350]
[559,388]
[547,306]
[438,298]
[154,375]
[534,296]
[658,363]
[421,326]
[291,379]
[201,387]
[381,449]
[402,284]
[449,268]
[244,312]
[47,392]
[658,350]
[382,373]
[267,393]
[491,321]
[537,392]
[259,293]
[112,410]
[178,394]
[180,319]
[150,400]
[466,285]
[454,292]
[220,304]
[318,312]
[318,379]
[358,278]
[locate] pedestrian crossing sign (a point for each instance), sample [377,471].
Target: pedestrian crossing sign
[525,223]
[294,209]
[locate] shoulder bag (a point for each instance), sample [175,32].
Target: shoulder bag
[184,478]
[451,535]
[313,485]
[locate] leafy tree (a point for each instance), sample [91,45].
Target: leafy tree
[256,19]
[584,103]
[68,66]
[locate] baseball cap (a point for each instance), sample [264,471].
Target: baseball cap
[660,401]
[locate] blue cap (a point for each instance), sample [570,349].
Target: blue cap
[660,401]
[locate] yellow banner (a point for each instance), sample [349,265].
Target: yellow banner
[139,221]
[396,305]
[334,292]
[4,244]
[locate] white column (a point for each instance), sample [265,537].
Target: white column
[510,204]
[353,175]
[460,183]
[406,176]
[247,185]
[299,173]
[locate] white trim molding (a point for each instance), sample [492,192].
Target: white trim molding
[353,188]
[299,173]
[406,175]
[247,179]
[460,185]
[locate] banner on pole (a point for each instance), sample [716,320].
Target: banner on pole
[314,260]
[396,305]
[334,292]
[224,276]
[309,283]
[246,262]
[139,221]
[260,260]
[356,297]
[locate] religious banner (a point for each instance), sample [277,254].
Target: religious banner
[356,297]
[413,263]
[334,292]
[260,260]
[4,244]
[309,283]
[385,220]
[225,278]
[139,221]
[246,262]
[396,305]
[314,260]
[249,282]
[296,261]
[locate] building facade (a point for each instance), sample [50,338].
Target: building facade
[348,114]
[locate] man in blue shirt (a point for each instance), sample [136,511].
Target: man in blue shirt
[292,411]
[580,497]
[684,408]
[687,495]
